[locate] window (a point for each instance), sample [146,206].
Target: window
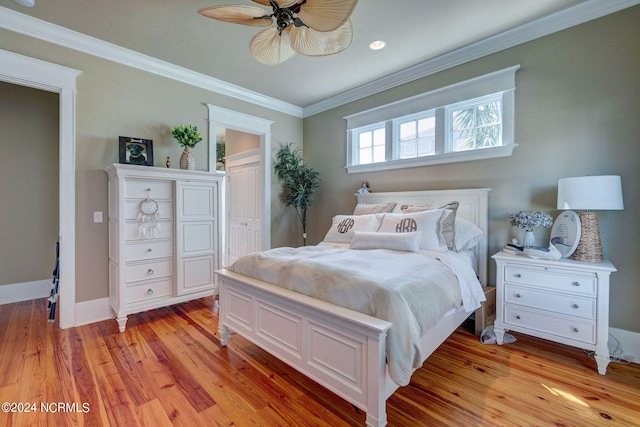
[467,121]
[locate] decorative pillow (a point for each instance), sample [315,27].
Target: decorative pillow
[408,242]
[448,224]
[364,209]
[467,234]
[429,223]
[343,226]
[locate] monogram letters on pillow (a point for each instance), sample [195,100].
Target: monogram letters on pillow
[448,224]
[343,226]
[428,222]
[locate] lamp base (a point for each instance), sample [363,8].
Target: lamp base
[589,247]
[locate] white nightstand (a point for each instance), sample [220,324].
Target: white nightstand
[562,300]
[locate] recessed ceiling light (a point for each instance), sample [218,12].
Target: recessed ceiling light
[377,45]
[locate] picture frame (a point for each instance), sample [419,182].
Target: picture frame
[136,151]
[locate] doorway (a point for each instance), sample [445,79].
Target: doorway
[30,72]
[228,119]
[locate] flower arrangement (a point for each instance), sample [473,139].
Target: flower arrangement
[187,136]
[529,221]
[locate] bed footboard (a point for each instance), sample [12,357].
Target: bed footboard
[339,348]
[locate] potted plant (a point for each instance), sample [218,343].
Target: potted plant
[188,137]
[299,182]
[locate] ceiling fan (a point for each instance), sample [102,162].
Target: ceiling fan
[308,27]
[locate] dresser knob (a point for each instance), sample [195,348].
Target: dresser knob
[575,306]
[149,291]
[518,275]
[518,317]
[149,250]
[149,272]
[575,283]
[574,329]
[518,296]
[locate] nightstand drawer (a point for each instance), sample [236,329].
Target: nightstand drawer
[571,305]
[555,279]
[571,328]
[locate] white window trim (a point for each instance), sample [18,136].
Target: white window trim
[498,81]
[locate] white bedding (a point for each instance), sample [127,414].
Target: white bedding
[411,290]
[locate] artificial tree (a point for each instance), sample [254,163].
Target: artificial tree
[299,182]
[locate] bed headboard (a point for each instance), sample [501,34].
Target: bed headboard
[474,206]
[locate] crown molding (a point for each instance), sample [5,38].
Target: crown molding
[43,30]
[569,17]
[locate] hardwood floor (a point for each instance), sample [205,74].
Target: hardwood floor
[168,369]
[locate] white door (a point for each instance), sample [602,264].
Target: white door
[244,208]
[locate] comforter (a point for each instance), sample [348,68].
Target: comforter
[411,290]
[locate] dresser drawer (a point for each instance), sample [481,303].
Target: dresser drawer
[148,291]
[132,231]
[132,209]
[148,270]
[566,327]
[549,278]
[148,249]
[141,189]
[572,305]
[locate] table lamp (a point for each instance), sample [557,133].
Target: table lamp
[590,193]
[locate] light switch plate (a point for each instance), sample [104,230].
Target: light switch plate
[97,216]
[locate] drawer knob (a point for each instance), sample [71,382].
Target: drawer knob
[149,291]
[574,329]
[518,275]
[575,306]
[518,317]
[149,250]
[518,296]
[575,283]
[149,272]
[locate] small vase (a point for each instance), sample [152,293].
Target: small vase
[187,161]
[529,239]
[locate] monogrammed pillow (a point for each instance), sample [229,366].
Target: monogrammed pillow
[429,223]
[408,242]
[448,223]
[343,226]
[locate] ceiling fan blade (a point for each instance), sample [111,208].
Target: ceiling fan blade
[309,42]
[326,15]
[238,14]
[281,3]
[271,47]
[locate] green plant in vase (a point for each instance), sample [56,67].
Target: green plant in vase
[187,137]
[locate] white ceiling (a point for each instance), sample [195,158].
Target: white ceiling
[415,31]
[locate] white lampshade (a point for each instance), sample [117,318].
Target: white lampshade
[591,193]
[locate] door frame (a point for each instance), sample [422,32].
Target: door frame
[222,117]
[26,71]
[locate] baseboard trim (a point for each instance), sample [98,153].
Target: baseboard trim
[25,291]
[93,311]
[629,341]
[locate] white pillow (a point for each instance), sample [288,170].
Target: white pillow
[364,209]
[467,234]
[408,242]
[429,223]
[448,228]
[343,226]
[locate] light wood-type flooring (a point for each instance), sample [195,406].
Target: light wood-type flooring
[168,368]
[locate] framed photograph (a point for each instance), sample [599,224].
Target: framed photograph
[136,151]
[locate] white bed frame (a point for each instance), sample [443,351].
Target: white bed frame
[341,349]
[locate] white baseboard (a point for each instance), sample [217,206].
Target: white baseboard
[629,341]
[25,291]
[93,311]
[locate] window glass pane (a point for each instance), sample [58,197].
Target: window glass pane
[365,140]
[378,154]
[408,130]
[378,137]
[477,126]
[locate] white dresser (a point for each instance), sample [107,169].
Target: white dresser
[163,237]
[565,301]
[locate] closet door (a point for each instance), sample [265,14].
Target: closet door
[244,201]
[197,235]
